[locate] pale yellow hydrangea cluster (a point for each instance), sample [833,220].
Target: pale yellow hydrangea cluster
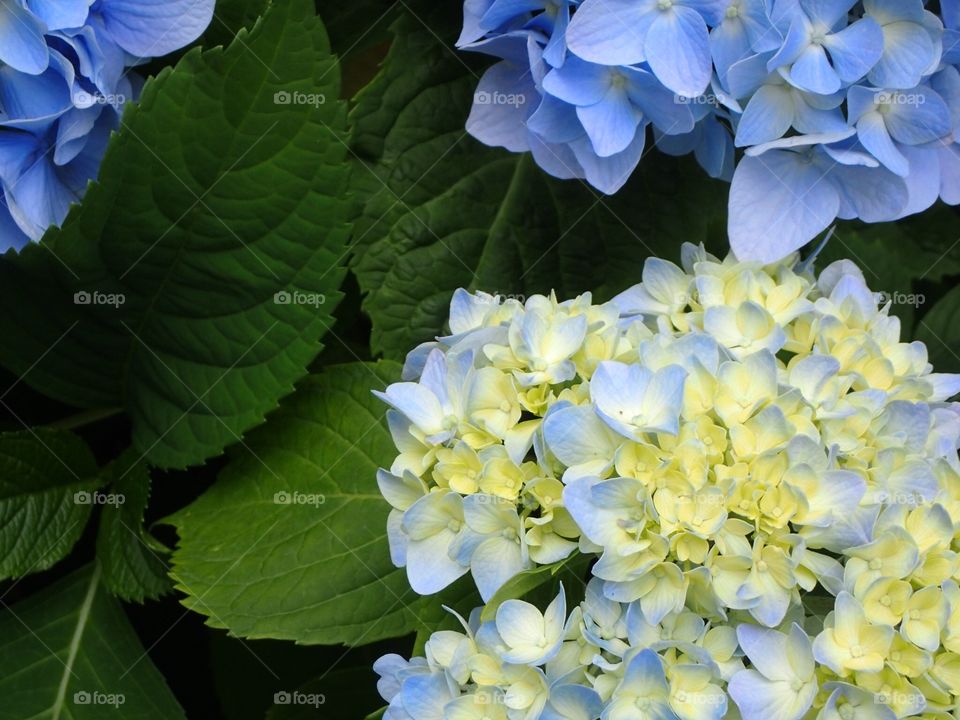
[734,442]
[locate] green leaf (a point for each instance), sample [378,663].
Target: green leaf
[445,211]
[230,17]
[525,582]
[290,542]
[215,204]
[940,331]
[47,479]
[133,564]
[69,652]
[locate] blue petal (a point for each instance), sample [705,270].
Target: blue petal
[712,11]
[874,136]
[21,39]
[889,11]
[149,28]
[556,159]
[473,10]
[11,236]
[856,49]
[611,124]
[729,43]
[578,82]
[812,72]
[923,181]
[572,702]
[746,76]
[715,153]
[503,11]
[951,46]
[658,104]
[871,194]
[60,14]
[40,199]
[17,151]
[827,12]
[503,99]
[920,116]
[950,10]
[768,116]
[73,130]
[908,52]
[811,120]
[796,41]
[555,121]
[609,174]
[556,50]
[678,51]
[44,96]
[611,32]
[950,173]
[860,101]
[778,203]
[677,145]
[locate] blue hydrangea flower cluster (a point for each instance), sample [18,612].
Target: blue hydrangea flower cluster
[64,79]
[842,109]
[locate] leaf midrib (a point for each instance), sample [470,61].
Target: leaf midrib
[82,619]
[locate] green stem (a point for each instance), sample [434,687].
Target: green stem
[87,417]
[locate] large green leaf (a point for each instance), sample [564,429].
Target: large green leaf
[133,562]
[290,542]
[47,490]
[445,211]
[69,653]
[217,201]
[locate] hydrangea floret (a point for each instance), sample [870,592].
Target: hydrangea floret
[762,474]
[65,77]
[840,108]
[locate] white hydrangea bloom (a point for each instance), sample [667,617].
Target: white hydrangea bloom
[760,473]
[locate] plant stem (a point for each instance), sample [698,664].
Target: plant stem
[87,417]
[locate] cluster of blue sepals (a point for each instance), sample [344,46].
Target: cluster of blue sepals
[838,108]
[64,79]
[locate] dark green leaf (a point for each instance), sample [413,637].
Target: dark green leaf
[70,653]
[445,211]
[132,561]
[47,490]
[215,204]
[290,543]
